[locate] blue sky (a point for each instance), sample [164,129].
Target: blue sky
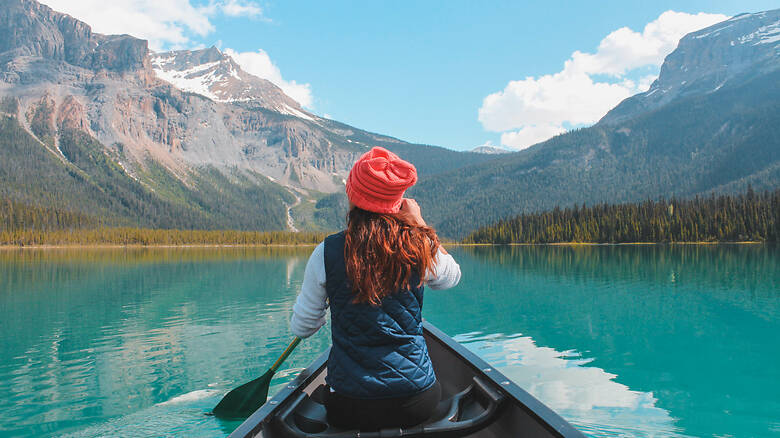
[421,71]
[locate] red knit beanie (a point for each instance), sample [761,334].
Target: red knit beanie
[378,180]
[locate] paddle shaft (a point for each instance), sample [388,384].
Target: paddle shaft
[286,353]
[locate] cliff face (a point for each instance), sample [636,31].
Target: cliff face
[28,28]
[112,88]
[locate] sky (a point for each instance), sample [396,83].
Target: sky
[458,74]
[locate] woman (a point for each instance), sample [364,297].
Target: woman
[371,275]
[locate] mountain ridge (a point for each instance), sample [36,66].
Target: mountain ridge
[700,141]
[707,59]
[135,133]
[213,74]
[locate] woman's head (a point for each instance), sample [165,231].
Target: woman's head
[378,180]
[383,251]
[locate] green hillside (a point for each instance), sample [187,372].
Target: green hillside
[89,182]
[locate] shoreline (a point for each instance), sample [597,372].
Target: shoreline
[7,247]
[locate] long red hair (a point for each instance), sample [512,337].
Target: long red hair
[382,252]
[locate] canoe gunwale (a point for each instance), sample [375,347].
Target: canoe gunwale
[545,416]
[268,410]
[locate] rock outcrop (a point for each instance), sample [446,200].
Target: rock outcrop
[183,109]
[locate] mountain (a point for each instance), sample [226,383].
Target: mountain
[179,139]
[217,76]
[708,124]
[725,54]
[490,150]
[97,125]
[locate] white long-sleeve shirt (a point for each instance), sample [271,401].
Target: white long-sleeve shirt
[309,309]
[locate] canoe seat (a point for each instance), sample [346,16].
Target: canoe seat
[460,415]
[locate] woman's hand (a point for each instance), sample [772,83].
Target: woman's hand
[410,213]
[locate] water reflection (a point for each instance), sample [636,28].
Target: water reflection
[96,335]
[587,396]
[700,341]
[628,341]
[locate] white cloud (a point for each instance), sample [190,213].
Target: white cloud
[529,135]
[536,108]
[165,23]
[645,82]
[237,8]
[550,100]
[624,49]
[259,64]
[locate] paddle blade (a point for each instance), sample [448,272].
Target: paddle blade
[247,398]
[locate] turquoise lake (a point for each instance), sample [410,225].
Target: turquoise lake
[620,340]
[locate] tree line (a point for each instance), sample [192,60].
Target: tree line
[23,225]
[158,237]
[750,216]
[16,215]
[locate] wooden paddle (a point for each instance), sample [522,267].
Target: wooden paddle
[247,398]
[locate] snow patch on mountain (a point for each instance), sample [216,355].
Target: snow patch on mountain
[198,79]
[287,109]
[765,35]
[217,76]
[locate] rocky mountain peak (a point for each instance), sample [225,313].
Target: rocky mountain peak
[30,29]
[214,74]
[723,55]
[181,60]
[210,54]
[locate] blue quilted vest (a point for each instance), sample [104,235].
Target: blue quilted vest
[378,351]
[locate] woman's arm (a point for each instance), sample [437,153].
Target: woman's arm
[309,309]
[445,273]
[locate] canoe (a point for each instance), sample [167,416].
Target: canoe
[477,401]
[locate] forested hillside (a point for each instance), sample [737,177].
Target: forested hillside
[712,143]
[749,216]
[97,127]
[23,225]
[84,180]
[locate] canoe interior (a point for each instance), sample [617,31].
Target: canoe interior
[520,415]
